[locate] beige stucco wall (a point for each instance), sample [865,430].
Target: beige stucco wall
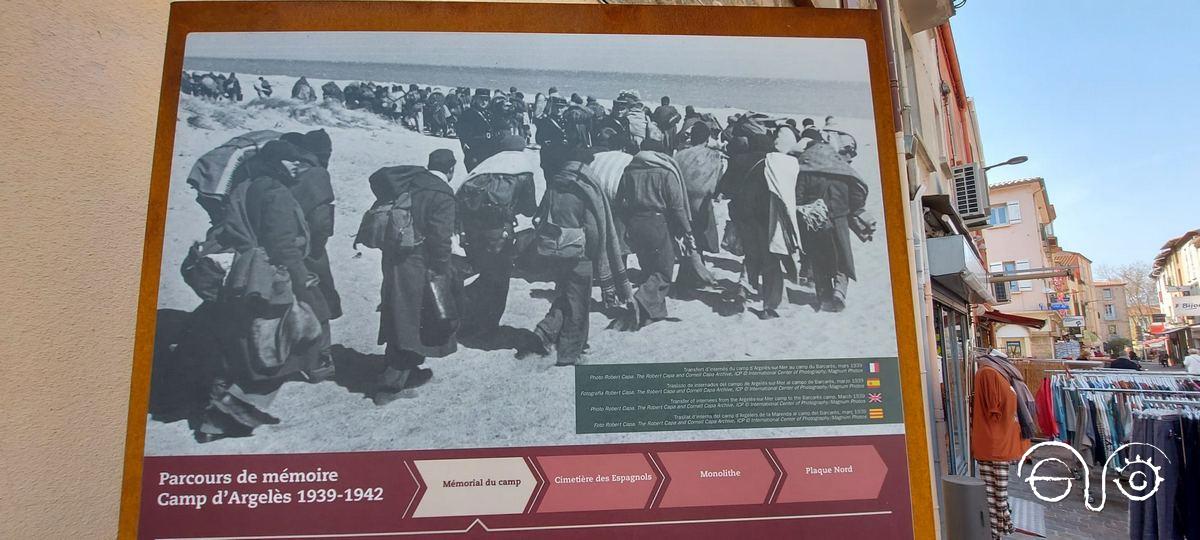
[79,87]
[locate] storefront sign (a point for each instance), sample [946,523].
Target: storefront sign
[1186,306]
[354,350]
[1075,321]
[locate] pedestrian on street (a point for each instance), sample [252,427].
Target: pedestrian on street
[1192,361]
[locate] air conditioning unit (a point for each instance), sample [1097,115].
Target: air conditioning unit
[971,195]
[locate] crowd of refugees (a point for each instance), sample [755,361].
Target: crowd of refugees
[630,180]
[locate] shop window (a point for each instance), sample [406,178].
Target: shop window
[1014,349]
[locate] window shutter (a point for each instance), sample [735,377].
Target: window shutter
[1025,284]
[1014,211]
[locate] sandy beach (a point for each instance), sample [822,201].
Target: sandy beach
[481,396]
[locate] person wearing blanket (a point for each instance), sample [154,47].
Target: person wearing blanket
[826,178]
[761,185]
[653,203]
[701,166]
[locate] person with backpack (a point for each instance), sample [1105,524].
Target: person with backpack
[488,202]
[412,223]
[576,240]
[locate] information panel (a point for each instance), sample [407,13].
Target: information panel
[444,269]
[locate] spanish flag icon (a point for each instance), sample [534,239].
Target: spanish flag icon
[872,382]
[875,414]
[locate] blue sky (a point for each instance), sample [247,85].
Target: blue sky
[1104,98]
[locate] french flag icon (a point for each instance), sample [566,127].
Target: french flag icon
[873,367]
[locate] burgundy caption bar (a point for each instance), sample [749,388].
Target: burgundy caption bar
[773,485]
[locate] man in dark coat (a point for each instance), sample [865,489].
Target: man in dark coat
[277,230]
[653,204]
[666,117]
[825,175]
[551,134]
[750,201]
[409,325]
[264,215]
[577,121]
[488,230]
[313,190]
[598,110]
[474,130]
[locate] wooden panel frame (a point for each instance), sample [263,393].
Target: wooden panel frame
[187,17]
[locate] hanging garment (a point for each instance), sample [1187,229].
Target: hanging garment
[1154,518]
[1046,420]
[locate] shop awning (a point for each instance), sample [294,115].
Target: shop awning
[1009,318]
[1170,331]
[1156,343]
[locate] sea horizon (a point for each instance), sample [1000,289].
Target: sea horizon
[783,96]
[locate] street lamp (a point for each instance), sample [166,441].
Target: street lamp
[1011,161]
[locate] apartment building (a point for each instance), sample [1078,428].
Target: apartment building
[1021,244]
[1113,310]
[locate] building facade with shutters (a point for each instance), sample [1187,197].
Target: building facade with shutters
[1176,272]
[1113,310]
[1021,242]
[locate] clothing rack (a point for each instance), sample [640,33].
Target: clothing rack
[1136,391]
[1191,402]
[1098,372]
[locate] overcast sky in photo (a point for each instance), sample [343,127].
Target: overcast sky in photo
[800,58]
[1102,97]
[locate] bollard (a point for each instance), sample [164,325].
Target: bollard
[964,508]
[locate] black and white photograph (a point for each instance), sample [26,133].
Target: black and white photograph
[404,240]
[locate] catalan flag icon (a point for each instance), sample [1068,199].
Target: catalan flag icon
[875,414]
[872,382]
[873,367]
